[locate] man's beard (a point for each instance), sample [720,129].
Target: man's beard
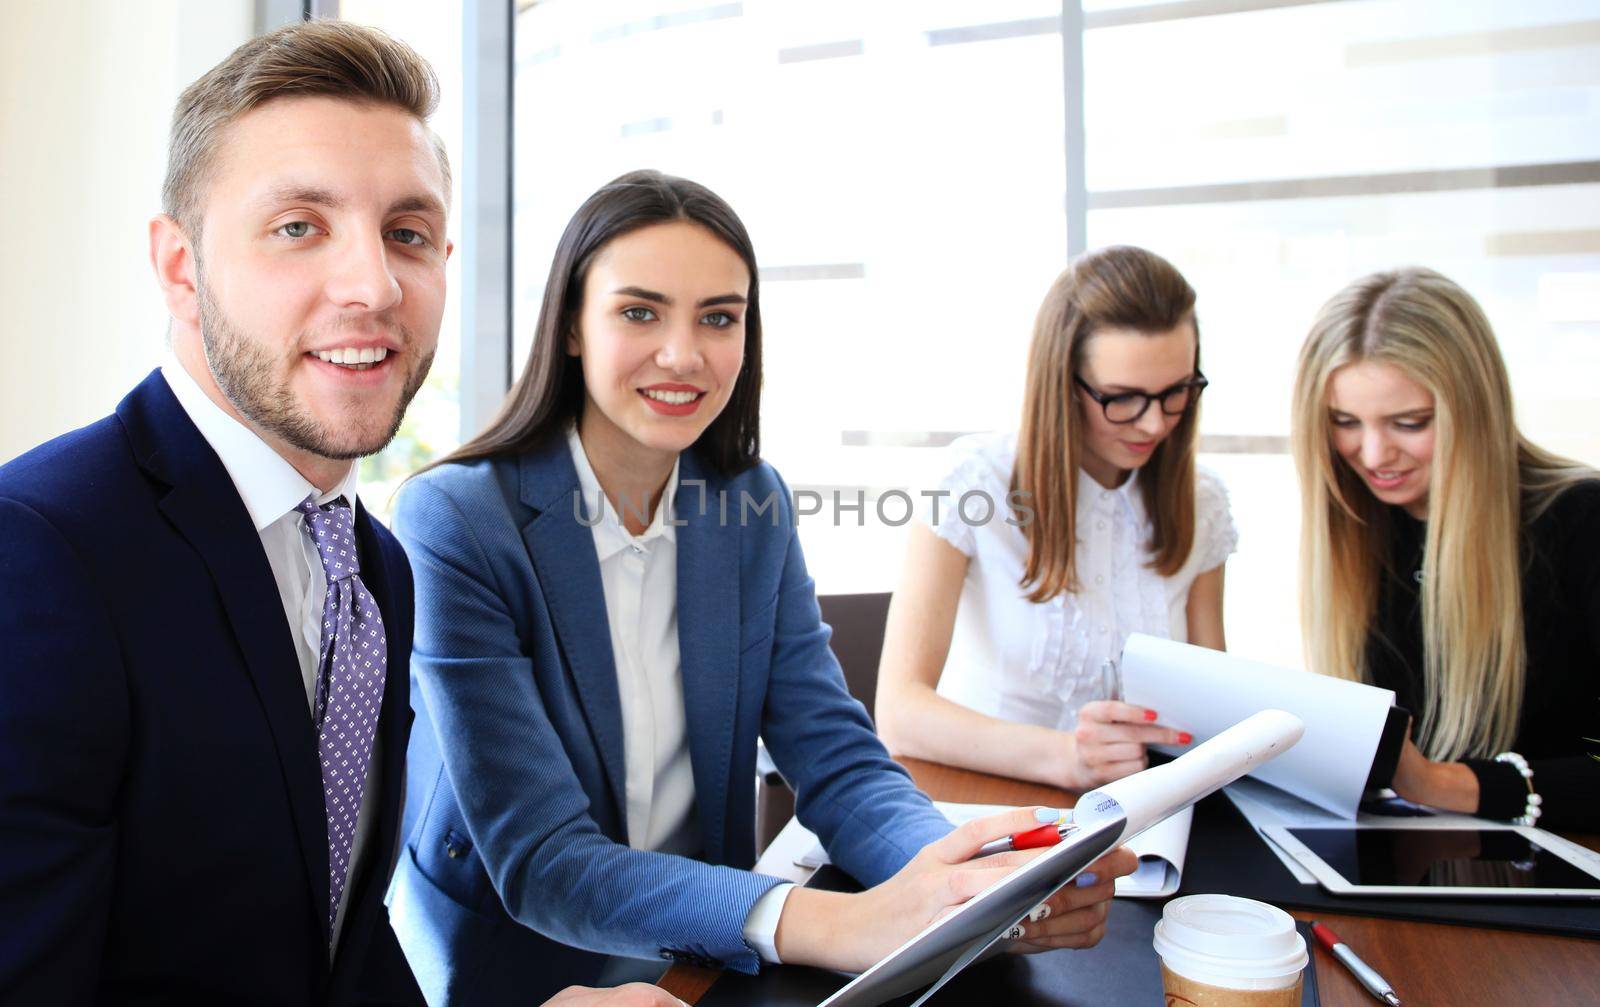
[246,374]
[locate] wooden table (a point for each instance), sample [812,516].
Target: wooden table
[1429,963]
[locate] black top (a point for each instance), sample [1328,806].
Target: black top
[1561,623]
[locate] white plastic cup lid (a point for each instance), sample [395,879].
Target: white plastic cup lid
[1223,940]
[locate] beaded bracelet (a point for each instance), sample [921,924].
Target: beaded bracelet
[1530,813]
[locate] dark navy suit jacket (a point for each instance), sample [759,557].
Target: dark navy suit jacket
[162,833]
[517,878]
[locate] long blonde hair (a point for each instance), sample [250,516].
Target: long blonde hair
[1486,482]
[1122,287]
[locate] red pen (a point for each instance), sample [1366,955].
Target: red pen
[1033,839]
[1365,974]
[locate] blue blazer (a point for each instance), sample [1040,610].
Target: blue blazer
[161,807]
[517,877]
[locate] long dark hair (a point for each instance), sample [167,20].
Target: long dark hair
[549,394]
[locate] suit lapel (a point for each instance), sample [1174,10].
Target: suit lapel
[569,574]
[394,722]
[708,641]
[206,510]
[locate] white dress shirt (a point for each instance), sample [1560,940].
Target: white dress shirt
[639,575]
[271,488]
[1038,663]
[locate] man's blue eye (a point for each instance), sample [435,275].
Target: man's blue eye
[406,236]
[296,229]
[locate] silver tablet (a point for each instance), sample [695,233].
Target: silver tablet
[1488,862]
[946,946]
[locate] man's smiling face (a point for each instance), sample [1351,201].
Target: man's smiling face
[320,272]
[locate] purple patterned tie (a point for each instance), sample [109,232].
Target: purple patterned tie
[350,673]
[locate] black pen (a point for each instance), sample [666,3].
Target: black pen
[1364,973]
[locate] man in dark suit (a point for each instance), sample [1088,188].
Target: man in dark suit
[204,638]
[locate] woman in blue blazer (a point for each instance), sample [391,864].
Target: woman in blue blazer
[612,608]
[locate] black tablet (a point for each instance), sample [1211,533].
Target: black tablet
[1491,861]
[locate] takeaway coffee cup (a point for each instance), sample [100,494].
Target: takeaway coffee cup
[1223,951]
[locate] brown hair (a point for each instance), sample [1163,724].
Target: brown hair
[1121,287]
[549,394]
[333,58]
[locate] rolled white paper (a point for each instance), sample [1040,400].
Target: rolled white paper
[1148,797]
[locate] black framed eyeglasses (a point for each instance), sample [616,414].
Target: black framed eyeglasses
[1127,407]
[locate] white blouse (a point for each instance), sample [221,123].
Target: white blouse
[638,575]
[1038,663]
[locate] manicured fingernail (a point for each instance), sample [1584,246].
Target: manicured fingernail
[1046,814]
[1086,879]
[1150,715]
[1016,933]
[1184,737]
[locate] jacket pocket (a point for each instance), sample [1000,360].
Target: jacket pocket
[444,941]
[758,629]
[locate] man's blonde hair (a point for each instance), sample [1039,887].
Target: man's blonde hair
[332,58]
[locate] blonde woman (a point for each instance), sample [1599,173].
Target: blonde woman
[1447,558]
[1045,549]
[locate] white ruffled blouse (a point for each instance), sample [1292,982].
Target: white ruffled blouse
[1038,663]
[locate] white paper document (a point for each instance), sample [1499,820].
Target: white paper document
[1262,804]
[1204,692]
[1161,850]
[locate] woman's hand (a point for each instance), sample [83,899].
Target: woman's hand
[1075,917]
[1110,740]
[1448,786]
[631,995]
[852,932]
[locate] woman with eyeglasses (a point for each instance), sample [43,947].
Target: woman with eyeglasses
[1040,552]
[1445,556]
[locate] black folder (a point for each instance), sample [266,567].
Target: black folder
[1227,855]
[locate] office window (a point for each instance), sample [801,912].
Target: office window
[900,169]
[431,426]
[1278,152]
[904,173]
